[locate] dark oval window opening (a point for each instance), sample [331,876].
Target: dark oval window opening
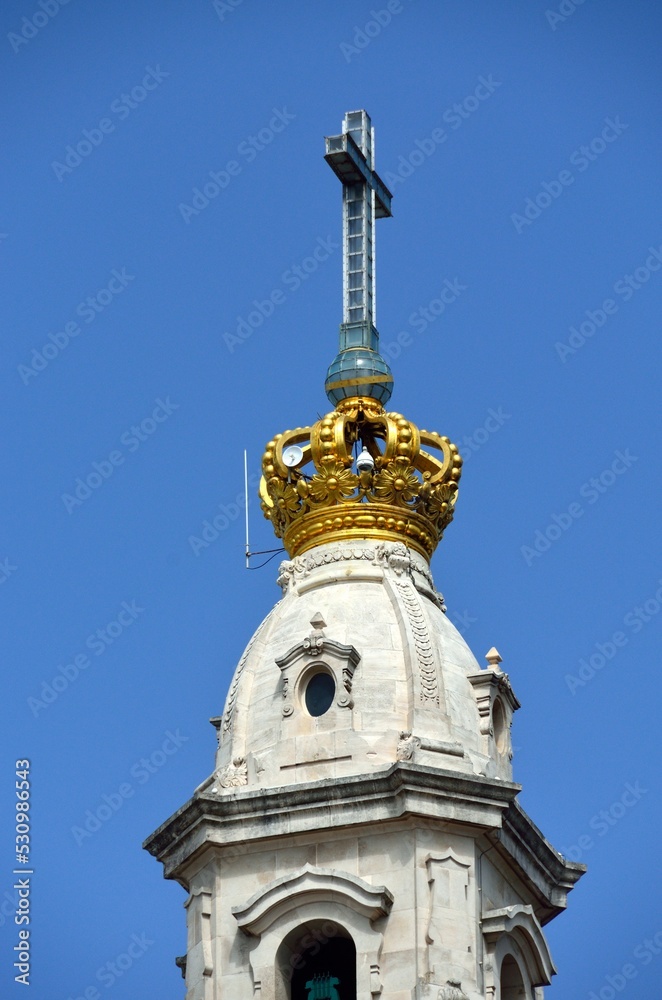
[320,691]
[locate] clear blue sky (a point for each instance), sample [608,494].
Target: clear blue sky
[523,152]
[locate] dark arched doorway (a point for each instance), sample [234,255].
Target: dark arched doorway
[512,984]
[318,962]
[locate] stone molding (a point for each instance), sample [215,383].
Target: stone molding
[198,908]
[519,924]
[488,685]
[311,885]
[395,557]
[408,744]
[211,824]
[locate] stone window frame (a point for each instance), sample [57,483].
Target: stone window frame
[515,931]
[317,651]
[308,897]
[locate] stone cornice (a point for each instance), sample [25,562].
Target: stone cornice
[546,873]
[231,821]
[253,814]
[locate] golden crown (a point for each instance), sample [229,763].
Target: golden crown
[311,492]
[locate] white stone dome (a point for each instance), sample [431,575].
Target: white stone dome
[401,681]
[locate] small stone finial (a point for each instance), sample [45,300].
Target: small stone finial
[314,643]
[493,657]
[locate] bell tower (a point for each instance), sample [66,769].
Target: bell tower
[360,835]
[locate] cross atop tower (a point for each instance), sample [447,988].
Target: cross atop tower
[365,198]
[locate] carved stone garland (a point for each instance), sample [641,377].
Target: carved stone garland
[422,644]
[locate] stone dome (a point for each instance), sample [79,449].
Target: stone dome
[400,682]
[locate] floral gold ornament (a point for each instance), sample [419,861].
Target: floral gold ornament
[408,496]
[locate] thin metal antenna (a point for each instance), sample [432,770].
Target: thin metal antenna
[263,552]
[246,497]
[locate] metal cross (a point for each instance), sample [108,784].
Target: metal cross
[365,198]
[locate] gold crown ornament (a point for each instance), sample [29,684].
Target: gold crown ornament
[399,491]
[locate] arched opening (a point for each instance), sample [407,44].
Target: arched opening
[512,984]
[317,961]
[500,727]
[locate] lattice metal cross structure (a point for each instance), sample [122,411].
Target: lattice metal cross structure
[365,198]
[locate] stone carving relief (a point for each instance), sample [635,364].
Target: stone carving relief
[407,746]
[299,568]
[452,991]
[422,645]
[393,555]
[232,776]
[396,556]
[314,643]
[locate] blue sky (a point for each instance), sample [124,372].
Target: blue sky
[522,145]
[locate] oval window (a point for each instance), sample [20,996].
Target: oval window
[319,694]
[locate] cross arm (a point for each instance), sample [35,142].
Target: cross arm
[351,167]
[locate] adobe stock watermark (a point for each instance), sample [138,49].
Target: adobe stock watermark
[87,310]
[141,771]
[373,27]
[605,820]
[212,527]
[108,974]
[422,317]
[591,491]
[97,643]
[121,108]
[292,278]
[454,117]
[31,26]
[132,439]
[481,435]
[605,652]
[225,7]
[565,10]
[616,982]
[581,158]
[247,151]
[462,620]
[7,569]
[595,319]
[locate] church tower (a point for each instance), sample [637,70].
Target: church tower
[360,837]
